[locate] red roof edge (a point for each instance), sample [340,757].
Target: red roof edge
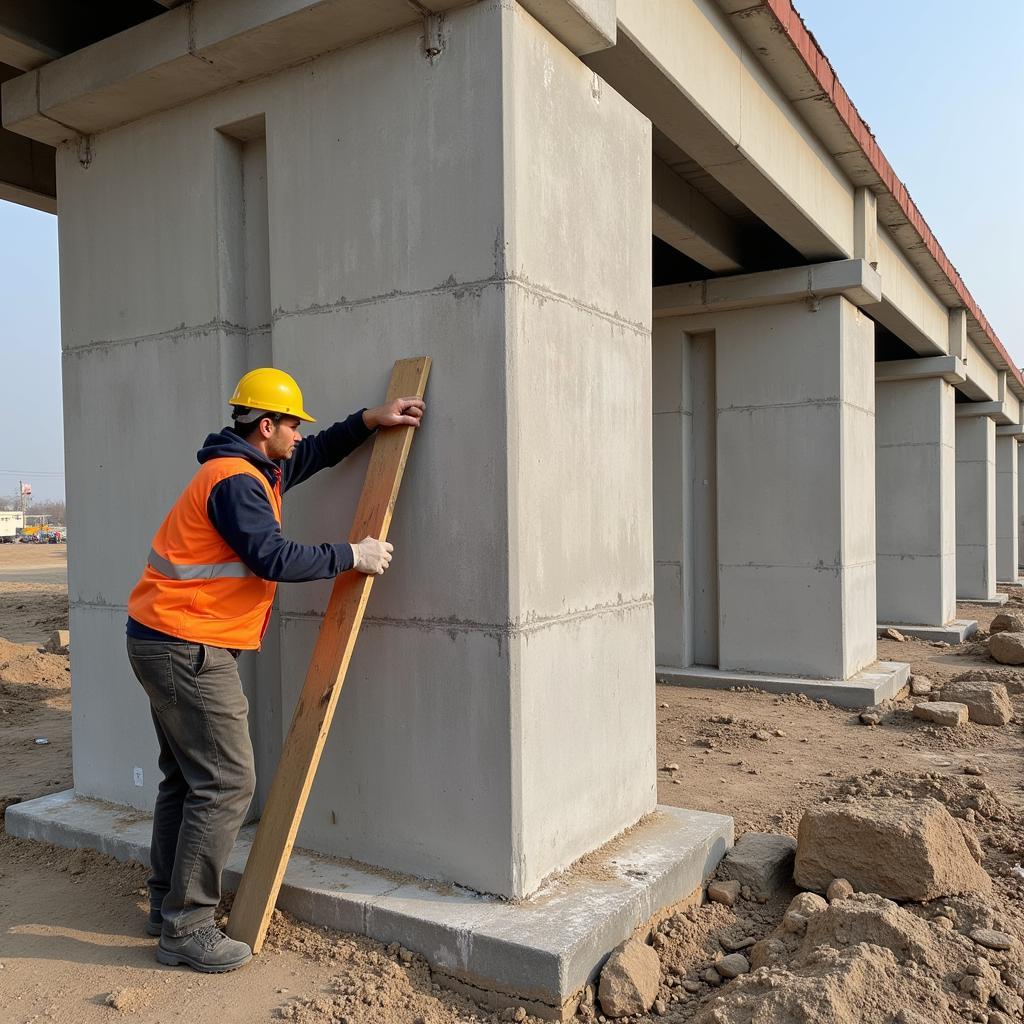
[818,64]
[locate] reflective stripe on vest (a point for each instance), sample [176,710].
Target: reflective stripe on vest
[179,571]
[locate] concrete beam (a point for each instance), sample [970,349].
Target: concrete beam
[853,279]
[995,410]
[187,53]
[584,26]
[682,64]
[689,222]
[949,368]
[1013,430]
[28,171]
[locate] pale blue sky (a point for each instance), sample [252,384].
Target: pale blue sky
[941,85]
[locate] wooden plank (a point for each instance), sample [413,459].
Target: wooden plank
[264,870]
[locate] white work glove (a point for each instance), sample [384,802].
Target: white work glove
[371,556]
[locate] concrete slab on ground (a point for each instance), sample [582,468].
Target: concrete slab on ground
[878,682]
[538,953]
[985,602]
[955,632]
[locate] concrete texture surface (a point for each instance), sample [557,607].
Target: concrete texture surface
[915,500]
[430,214]
[975,508]
[539,952]
[872,685]
[1007,539]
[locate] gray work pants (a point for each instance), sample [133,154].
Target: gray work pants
[200,714]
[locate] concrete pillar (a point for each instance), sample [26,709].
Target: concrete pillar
[796,489]
[489,207]
[1007,537]
[975,507]
[915,494]
[791,484]
[1020,506]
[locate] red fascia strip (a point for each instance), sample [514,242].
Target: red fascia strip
[818,64]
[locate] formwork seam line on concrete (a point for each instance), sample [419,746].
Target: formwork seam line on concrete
[823,402]
[505,629]
[454,288]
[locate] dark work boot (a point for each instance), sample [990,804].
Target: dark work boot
[207,949]
[155,922]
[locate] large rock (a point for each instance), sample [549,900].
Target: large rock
[987,703]
[629,979]
[1007,648]
[762,861]
[900,849]
[1007,622]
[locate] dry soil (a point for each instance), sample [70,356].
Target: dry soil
[72,946]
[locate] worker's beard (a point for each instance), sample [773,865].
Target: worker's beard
[279,448]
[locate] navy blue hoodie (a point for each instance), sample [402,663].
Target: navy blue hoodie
[239,508]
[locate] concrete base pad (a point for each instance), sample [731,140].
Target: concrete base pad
[871,686]
[985,602]
[538,953]
[955,632]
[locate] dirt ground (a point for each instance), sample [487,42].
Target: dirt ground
[72,945]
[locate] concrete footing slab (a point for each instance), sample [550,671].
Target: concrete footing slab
[954,632]
[878,682]
[985,602]
[538,953]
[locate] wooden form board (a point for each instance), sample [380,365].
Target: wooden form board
[264,870]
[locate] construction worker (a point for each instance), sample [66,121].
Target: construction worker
[205,596]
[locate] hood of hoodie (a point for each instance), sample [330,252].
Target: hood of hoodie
[228,444]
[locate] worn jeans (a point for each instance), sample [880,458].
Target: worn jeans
[200,714]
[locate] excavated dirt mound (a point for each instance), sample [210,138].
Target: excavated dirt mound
[23,665]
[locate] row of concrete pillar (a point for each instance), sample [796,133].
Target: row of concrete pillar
[806,495]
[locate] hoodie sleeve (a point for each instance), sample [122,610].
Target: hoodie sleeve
[325,449]
[239,509]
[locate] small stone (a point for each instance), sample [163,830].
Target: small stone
[870,718]
[660,1007]
[763,735]
[761,862]
[406,956]
[672,766]
[59,642]
[920,686]
[691,986]
[778,732]
[991,939]
[942,713]
[663,704]
[839,889]
[766,952]
[630,979]
[1009,1002]
[724,892]
[943,923]
[733,965]
[894,634]
[712,977]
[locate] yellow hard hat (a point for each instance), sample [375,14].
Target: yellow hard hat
[270,389]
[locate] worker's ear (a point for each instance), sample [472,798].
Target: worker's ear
[267,427]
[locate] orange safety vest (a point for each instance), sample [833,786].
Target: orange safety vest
[194,586]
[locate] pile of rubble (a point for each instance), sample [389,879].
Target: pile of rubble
[896,922]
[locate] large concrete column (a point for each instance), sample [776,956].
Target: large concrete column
[1020,506]
[490,207]
[1007,527]
[794,473]
[975,506]
[915,492]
